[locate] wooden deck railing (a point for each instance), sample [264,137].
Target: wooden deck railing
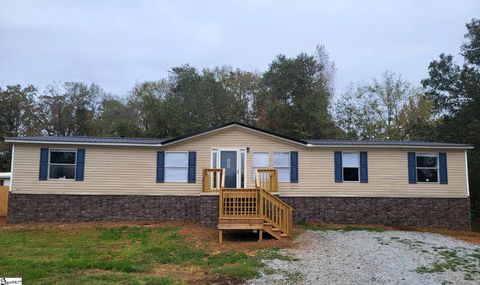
[267,179]
[255,203]
[275,211]
[238,203]
[213,179]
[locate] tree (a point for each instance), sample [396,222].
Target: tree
[147,101]
[70,109]
[16,118]
[385,109]
[455,91]
[189,101]
[117,118]
[416,119]
[17,111]
[243,88]
[296,96]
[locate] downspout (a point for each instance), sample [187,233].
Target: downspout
[11,168]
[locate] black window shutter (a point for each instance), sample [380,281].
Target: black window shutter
[412,168]
[160,167]
[363,167]
[442,159]
[338,167]
[80,168]
[294,167]
[192,162]
[43,173]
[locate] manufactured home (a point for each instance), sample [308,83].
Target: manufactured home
[239,177]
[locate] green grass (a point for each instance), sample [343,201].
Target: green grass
[234,264]
[451,260]
[274,253]
[295,277]
[118,255]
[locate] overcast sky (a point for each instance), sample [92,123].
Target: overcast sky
[118,43]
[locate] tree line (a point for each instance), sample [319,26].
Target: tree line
[294,97]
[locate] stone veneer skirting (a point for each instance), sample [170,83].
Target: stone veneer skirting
[451,213]
[28,208]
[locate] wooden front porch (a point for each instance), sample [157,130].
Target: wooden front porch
[250,208]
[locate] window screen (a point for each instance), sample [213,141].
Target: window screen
[176,166]
[281,162]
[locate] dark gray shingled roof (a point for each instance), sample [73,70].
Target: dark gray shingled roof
[99,140]
[328,142]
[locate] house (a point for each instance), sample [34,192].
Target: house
[237,174]
[4,178]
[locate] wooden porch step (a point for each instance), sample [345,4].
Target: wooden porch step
[240,224]
[240,227]
[244,209]
[274,233]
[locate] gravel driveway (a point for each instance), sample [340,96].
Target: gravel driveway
[364,257]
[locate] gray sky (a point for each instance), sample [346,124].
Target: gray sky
[118,43]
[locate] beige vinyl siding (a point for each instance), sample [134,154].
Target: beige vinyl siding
[387,175]
[132,170]
[108,170]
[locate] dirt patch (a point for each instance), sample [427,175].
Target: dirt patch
[241,241]
[193,275]
[187,274]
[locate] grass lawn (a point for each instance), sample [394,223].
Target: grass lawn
[121,254]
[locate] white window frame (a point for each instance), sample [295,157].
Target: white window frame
[343,166]
[254,172]
[289,167]
[239,164]
[239,151]
[428,154]
[165,165]
[214,164]
[69,164]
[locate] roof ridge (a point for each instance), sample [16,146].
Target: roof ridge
[92,137]
[168,141]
